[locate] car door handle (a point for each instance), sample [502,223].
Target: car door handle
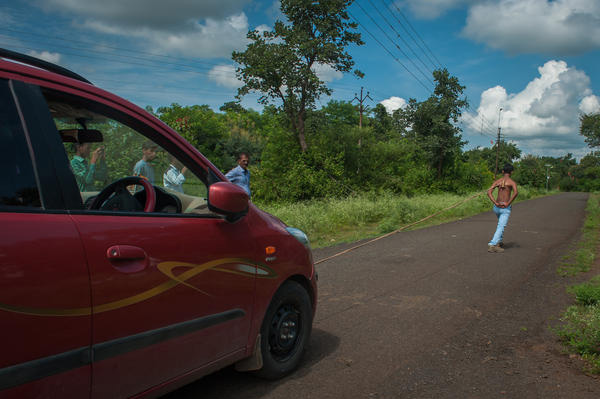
[127,258]
[128,252]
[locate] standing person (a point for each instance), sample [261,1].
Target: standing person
[143,168]
[507,192]
[85,174]
[240,175]
[174,177]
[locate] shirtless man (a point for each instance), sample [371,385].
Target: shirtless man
[507,192]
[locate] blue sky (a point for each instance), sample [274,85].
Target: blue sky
[536,59]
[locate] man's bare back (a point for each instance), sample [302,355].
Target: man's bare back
[507,191]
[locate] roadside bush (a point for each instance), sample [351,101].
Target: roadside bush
[587,293]
[581,332]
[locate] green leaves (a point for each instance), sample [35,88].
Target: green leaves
[590,128]
[280,63]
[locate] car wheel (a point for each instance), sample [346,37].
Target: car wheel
[285,331]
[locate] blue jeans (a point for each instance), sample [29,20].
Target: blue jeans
[502,214]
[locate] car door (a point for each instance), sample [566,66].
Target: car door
[45,307]
[172,290]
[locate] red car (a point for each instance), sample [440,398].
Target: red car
[113,282]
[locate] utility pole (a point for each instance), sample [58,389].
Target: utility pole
[361,109]
[498,144]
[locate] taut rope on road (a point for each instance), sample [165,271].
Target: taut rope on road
[400,229]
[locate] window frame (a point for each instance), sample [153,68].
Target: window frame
[200,167]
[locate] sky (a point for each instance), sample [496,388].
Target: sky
[530,67]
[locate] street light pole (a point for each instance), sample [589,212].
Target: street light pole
[547,175]
[498,144]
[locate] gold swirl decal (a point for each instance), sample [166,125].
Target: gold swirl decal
[241,267]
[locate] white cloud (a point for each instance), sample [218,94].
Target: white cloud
[543,117]
[393,103]
[213,39]
[46,56]
[559,27]
[326,73]
[224,75]
[590,105]
[207,28]
[152,14]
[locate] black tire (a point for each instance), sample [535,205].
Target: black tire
[285,331]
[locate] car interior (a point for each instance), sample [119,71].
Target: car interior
[121,148]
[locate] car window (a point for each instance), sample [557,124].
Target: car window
[18,187]
[103,147]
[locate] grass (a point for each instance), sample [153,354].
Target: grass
[580,328]
[581,258]
[332,221]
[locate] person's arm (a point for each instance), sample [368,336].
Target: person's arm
[490,193]
[174,177]
[83,174]
[233,175]
[515,192]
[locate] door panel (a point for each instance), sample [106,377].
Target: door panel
[179,296]
[44,308]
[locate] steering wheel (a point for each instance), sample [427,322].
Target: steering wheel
[122,195]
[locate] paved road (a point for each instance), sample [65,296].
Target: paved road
[431,314]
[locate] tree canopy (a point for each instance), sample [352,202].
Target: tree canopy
[281,64]
[434,121]
[590,128]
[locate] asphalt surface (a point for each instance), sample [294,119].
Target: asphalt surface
[431,314]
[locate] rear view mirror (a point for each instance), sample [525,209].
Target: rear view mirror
[228,199]
[81,136]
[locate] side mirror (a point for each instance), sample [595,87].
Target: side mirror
[228,199]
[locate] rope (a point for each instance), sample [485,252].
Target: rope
[399,230]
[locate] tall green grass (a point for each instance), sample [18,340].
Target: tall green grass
[580,328]
[331,221]
[580,259]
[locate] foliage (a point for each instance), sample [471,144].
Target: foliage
[590,128]
[586,173]
[506,152]
[580,331]
[581,258]
[281,63]
[219,136]
[580,328]
[434,121]
[199,125]
[328,221]
[587,293]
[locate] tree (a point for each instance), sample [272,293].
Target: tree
[433,121]
[508,152]
[281,63]
[590,128]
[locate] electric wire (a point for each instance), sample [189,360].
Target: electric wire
[390,53]
[401,37]
[395,44]
[439,64]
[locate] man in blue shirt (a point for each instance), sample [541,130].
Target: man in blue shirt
[143,168]
[240,175]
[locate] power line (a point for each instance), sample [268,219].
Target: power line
[400,36]
[390,53]
[417,34]
[394,43]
